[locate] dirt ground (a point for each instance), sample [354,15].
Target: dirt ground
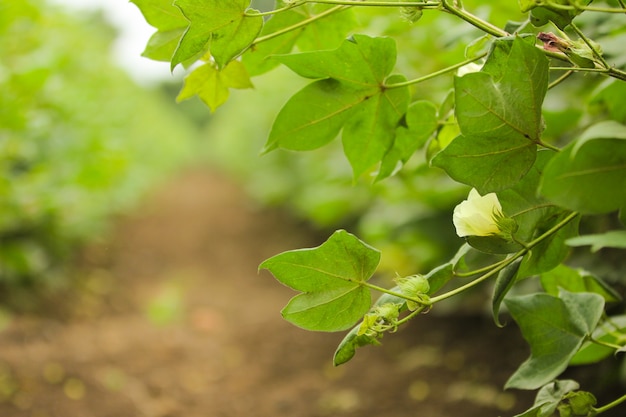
[173,320]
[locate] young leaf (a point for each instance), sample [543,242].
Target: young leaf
[555,328]
[171,25]
[212,85]
[225,28]
[589,177]
[351,95]
[331,278]
[499,113]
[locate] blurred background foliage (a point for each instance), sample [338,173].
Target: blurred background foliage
[79,141]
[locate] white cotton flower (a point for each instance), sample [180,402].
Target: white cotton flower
[478,215]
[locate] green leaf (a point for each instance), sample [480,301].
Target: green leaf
[612,239]
[549,397]
[612,331]
[504,283]
[212,85]
[351,96]
[589,175]
[421,122]
[576,280]
[162,44]
[282,34]
[499,114]
[331,278]
[171,25]
[225,28]
[555,328]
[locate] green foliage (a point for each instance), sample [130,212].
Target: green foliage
[78,140]
[533,120]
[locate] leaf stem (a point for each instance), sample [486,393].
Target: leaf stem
[605,344]
[610,405]
[436,73]
[479,270]
[473,20]
[560,79]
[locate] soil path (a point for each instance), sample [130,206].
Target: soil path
[173,320]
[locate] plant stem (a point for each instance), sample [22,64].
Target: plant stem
[424,5]
[475,21]
[591,46]
[435,74]
[610,405]
[395,294]
[480,279]
[480,270]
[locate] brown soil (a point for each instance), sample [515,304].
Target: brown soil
[173,320]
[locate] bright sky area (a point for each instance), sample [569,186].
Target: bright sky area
[134,33]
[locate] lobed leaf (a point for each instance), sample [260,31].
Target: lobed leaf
[331,277]
[555,328]
[225,28]
[499,114]
[350,94]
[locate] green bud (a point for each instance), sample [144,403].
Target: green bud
[414,286]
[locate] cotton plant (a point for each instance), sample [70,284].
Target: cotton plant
[529,191]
